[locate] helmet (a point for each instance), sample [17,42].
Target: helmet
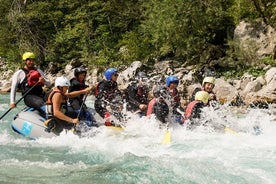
[141,76]
[171,79]
[202,96]
[79,70]
[62,81]
[209,80]
[28,55]
[159,91]
[109,72]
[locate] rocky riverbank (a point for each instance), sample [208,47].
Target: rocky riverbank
[247,90]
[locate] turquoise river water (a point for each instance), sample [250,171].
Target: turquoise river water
[137,155]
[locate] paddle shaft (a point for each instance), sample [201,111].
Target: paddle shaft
[19,100]
[82,104]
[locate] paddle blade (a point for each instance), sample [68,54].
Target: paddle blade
[167,137]
[229,130]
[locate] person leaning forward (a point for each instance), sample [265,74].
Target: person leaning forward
[59,117]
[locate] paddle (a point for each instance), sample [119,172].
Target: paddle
[167,135]
[19,100]
[86,94]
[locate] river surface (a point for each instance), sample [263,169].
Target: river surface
[137,155]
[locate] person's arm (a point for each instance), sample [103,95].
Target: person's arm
[77,93]
[17,78]
[44,79]
[57,101]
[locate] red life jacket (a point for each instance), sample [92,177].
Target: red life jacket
[97,88]
[189,110]
[150,106]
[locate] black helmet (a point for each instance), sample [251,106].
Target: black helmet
[79,70]
[141,76]
[159,91]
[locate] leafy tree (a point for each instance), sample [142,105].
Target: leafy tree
[181,29]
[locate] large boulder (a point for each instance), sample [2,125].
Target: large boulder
[264,37]
[225,92]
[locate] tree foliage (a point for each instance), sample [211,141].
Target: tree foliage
[114,32]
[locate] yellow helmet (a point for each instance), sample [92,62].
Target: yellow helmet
[209,80]
[28,55]
[202,96]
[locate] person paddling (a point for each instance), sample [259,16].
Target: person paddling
[136,95]
[158,105]
[59,117]
[25,79]
[208,85]
[193,110]
[107,93]
[171,85]
[77,103]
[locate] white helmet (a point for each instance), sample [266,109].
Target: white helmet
[62,81]
[209,80]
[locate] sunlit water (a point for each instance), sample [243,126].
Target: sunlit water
[137,155]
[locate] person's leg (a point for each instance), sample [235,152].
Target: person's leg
[37,103]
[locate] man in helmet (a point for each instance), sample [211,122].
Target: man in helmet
[136,94]
[108,95]
[194,108]
[59,116]
[25,79]
[171,84]
[77,103]
[208,85]
[158,105]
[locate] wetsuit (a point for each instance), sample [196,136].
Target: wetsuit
[158,107]
[77,103]
[107,93]
[135,96]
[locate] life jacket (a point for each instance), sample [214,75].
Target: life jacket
[31,78]
[76,85]
[189,110]
[97,88]
[150,106]
[49,105]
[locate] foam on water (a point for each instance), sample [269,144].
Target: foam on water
[137,155]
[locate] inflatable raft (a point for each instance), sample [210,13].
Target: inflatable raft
[30,124]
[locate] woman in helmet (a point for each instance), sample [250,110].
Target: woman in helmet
[136,95]
[57,108]
[77,103]
[171,84]
[158,105]
[25,79]
[194,108]
[106,94]
[208,85]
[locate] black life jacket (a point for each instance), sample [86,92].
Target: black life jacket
[31,78]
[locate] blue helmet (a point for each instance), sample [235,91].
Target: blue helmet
[109,72]
[171,79]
